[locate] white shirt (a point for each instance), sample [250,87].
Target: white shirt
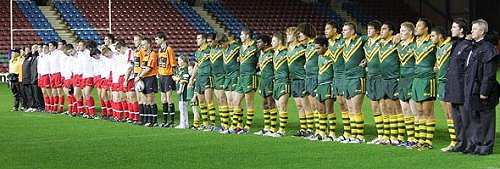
[66,66]
[116,68]
[54,59]
[43,64]
[106,67]
[97,65]
[84,64]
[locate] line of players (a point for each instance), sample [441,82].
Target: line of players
[396,72]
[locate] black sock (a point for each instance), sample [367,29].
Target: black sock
[147,113]
[172,112]
[165,112]
[154,112]
[141,112]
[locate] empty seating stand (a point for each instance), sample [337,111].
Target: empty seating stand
[82,28]
[384,10]
[38,21]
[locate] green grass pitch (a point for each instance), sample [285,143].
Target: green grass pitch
[41,140]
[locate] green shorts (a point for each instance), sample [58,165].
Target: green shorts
[202,83]
[373,86]
[247,83]
[440,89]
[404,88]
[190,95]
[230,84]
[219,82]
[266,87]
[281,89]
[338,87]
[354,87]
[298,88]
[324,92]
[390,88]
[311,85]
[423,89]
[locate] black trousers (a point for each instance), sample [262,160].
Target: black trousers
[28,98]
[37,96]
[482,131]
[15,88]
[461,120]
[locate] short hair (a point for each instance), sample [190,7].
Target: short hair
[203,36]
[408,25]
[321,40]
[161,35]
[266,39]
[391,26]
[332,24]
[462,23]
[439,30]
[120,43]
[184,58]
[307,29]
[211,36]
[139,36]
[63,42]
[280,36]
[147,40]
[351,25]
[105,49]
[95,51]
[292,30]
[247,31]
[221,37]
[110,36]
[427,23]
[91,44]
[53,43]
[482,23]
[375,24]
[80,41]
[68,47]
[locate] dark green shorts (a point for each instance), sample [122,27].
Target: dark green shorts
[298,88]
[266,87]
[338,87]
[404,88]
[390,88]
[230,84]
[354,87]
[190,95]
[324,92]
[311,85]
[219,82]
[202,83]
[440,90]
[247,83]
[373,88]
[281,89]
[423,89]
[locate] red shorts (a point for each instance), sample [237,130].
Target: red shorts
[56,80]
[76,80]
[118,87]
[106,84]
[67,83]
[44,81]
[98,81]
[87,82]
[130,86]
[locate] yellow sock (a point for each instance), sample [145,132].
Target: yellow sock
[393,126]
[316,120]
[310,121]
[322,124]
[303,122]
[379,124]
[451,130]
[431,128]
[211,113]
[410,128]
[422,131]
[387,127]
[347,124]
[267,119]
[273,114]
[250,114]
[204,114]
[360,123]
[401,126]
[283,121]
[332,120]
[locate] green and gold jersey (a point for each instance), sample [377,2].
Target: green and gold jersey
[425,58]
[296,61]
[389,61]
[325,64]
[230,55]
[371,49]
[249,56]
[311,60]
[280,59]
[336,46]
[353,54]
[202,56]
[266,63]
[406,59]
[182,73]
[443,53]
[217,61]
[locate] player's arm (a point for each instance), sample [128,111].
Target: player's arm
[171,59]
[194,71]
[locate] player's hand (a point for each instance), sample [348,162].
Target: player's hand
[136,79]
[483,96]
[436,69]
[397,39]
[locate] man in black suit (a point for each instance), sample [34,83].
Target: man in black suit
[481,91]
[454,89]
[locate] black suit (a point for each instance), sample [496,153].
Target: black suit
[480,79]
[454,89]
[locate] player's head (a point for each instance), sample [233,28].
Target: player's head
[221,38]
[81,45]
[45,48]
[161,38]
[91,45]
[34,48]
[406,30]
[146,44]
[479,29]
[437,34]
[211,40]
[348,30]
[246,34]
[183,60]
[61,44]
[121,46]
[27,49]
[278,40]
[201,39]
[459,27]
[330,29]
[109,39]
[306,31]
[423,27]
[292,34]
[106,51]
[387,30]
[263,41]
[321,45]
[373,28]
[69,49]
[138,40]
[52,46]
